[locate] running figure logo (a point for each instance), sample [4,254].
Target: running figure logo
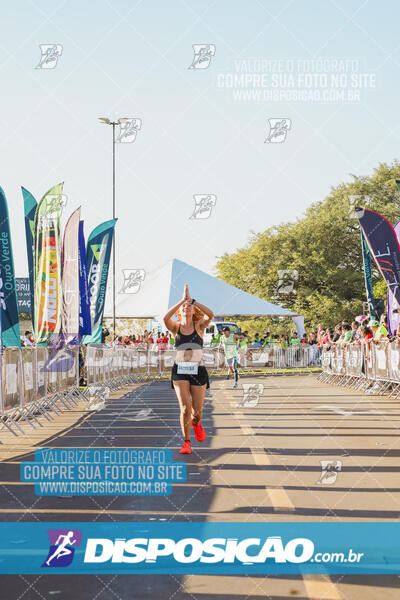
[132,280]
[61,551]
[50,55]
[128,129]
[203,205]
[278,130]
[329,471]
[203,54]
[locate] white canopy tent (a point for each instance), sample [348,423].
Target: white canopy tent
[163,287]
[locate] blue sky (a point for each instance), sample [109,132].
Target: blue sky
[131,59]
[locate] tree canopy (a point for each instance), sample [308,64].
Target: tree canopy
[323,246]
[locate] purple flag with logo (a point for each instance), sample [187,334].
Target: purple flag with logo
[384,246]
[85,322]
[393,318]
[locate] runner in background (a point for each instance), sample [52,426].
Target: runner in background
[228,342]
[216,339]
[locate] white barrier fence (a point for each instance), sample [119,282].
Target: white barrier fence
[124,363]
[371,367]
[37,381]
[40,381]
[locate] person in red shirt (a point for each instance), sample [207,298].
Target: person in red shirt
[366,333]
[304,341]
[162,342]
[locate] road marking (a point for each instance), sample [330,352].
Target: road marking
[318,588]
[260,457]
[280,500]
[247,430]
[278,496]
[349,413]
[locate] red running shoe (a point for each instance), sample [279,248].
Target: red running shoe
[186,448]
[199,432]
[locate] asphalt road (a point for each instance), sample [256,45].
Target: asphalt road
[260,462]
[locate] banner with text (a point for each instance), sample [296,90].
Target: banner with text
[98,259]
[47,265]
[382,241]
[30,206]
[70,279]
[10,333]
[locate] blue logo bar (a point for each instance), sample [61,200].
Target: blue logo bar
[207,548]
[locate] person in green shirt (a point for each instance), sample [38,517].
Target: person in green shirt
[216,339]
[346,333]
[379,329]
[229,344]
[294,341]
[267,339]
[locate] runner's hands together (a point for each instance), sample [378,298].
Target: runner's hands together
[186,296]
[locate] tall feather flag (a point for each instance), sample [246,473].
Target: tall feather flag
[30,206]
[85,325]
[392,304]
[70,279]
[367,264]
[47,265]
[384,246]
[98,259]
[10,332]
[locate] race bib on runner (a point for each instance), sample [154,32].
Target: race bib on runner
[187,368]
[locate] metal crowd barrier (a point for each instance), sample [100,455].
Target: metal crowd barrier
[37,381]
[123,364]
[374,368]
[40,381]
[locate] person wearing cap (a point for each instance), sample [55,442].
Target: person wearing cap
[379,329]
[374,326]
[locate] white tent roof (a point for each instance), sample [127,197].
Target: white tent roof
[163,287]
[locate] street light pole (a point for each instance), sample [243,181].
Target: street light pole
[113,184]
[113,123]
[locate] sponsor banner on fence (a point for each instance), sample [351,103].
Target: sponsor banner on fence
[354,360]
[380,361]
[199,548]
[372,361]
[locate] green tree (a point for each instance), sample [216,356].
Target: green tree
[323,246]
